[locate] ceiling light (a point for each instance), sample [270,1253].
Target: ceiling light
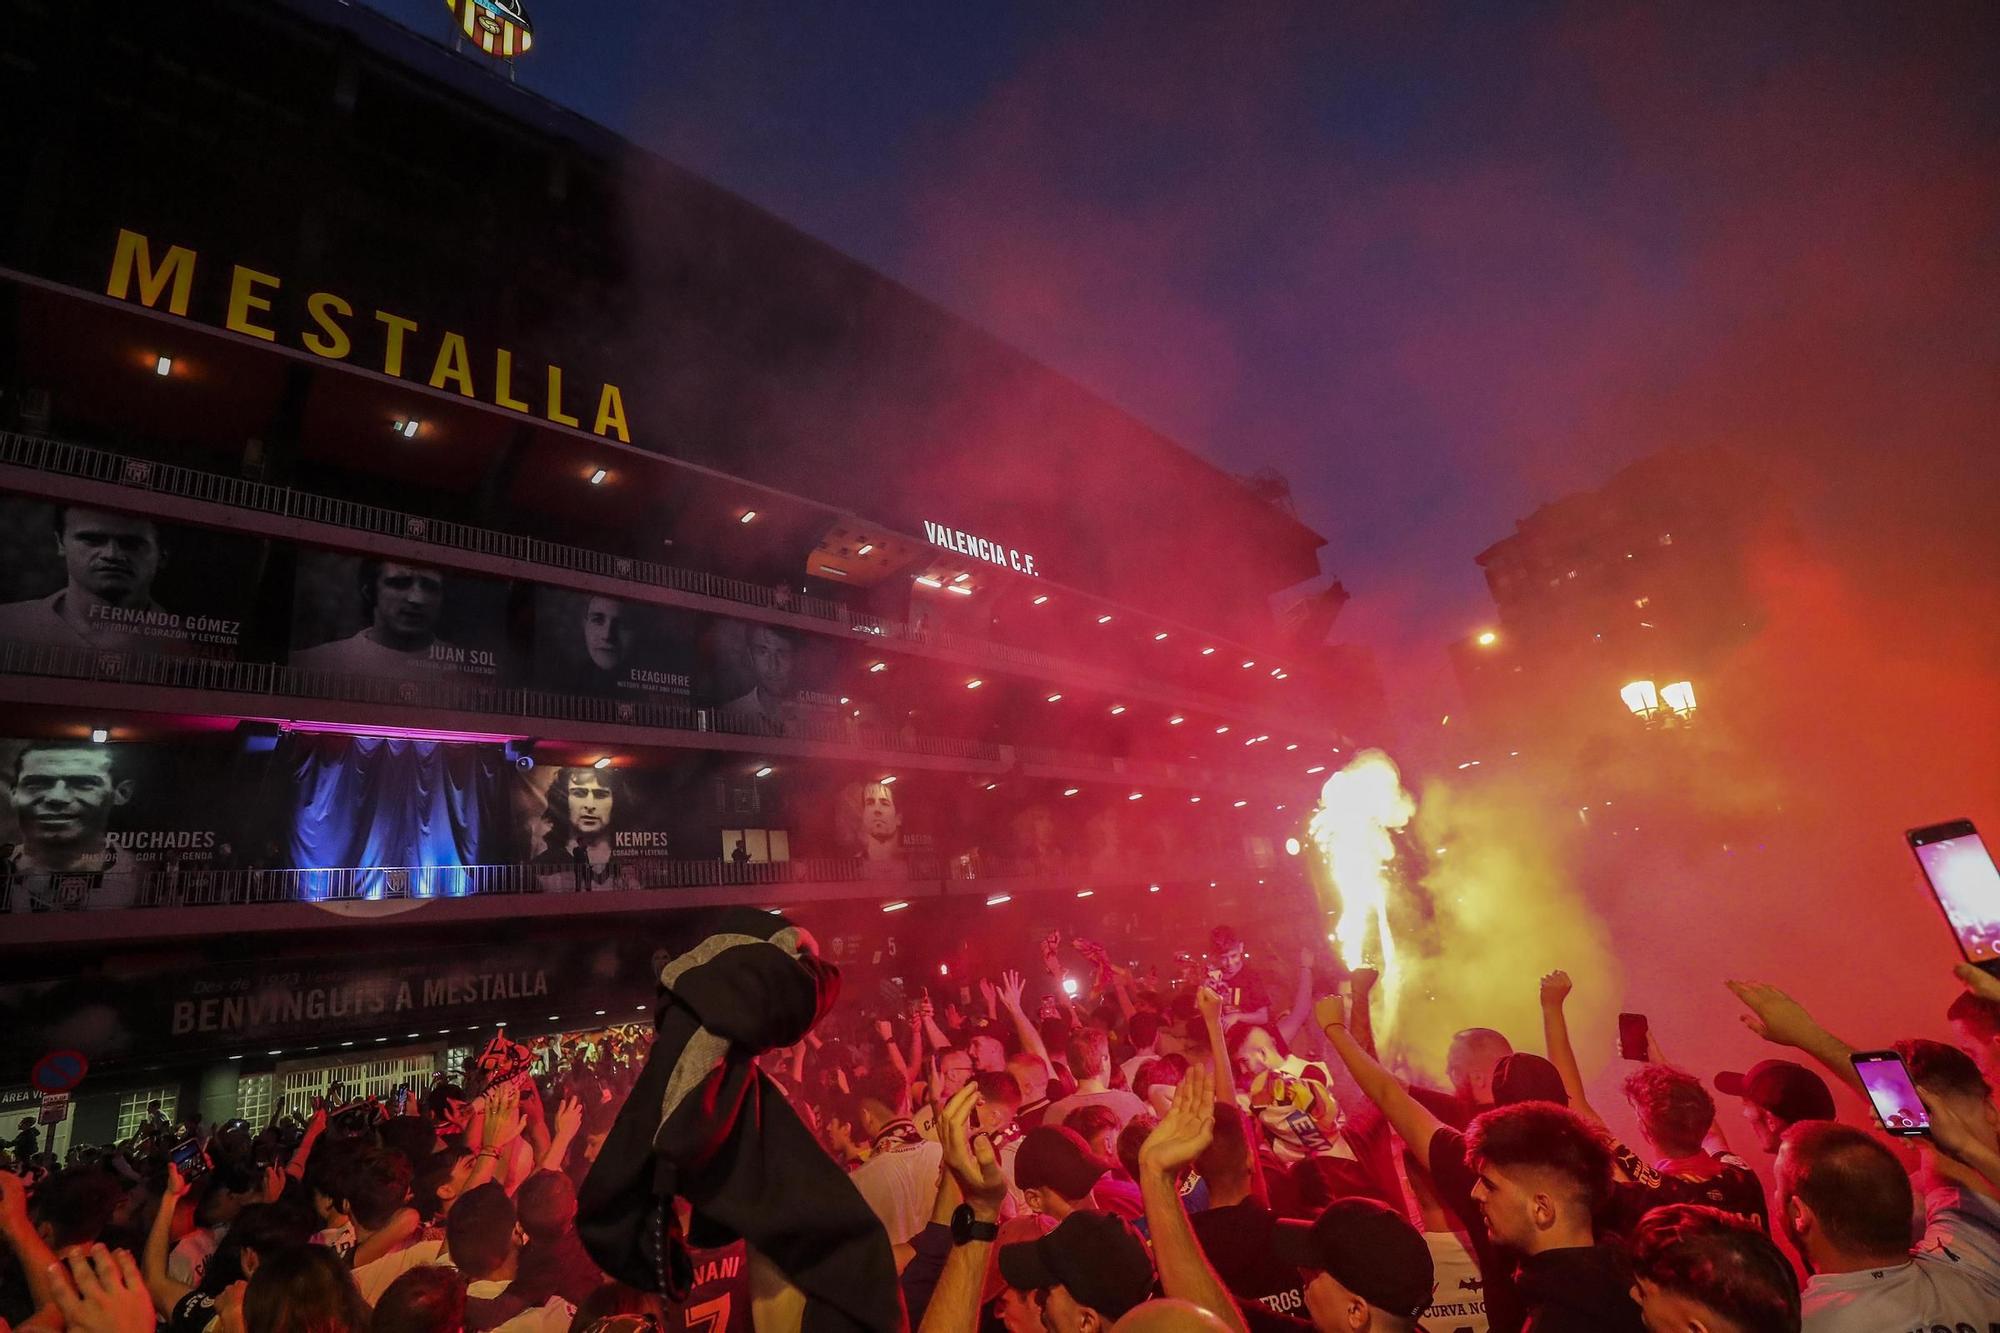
[1293,746]
[1104,620]
[1152,888]
[974,684]
[1249,662]
[1071,791]
[864,548]
[765,771]
[1175,720]
[999,898]
[1208,652]
[1137,795]
[1116,709]
[930,582]
[407,427]
[1277,671]
[1161,637]
[1291,847]
[1241,804]
[834,570]
[1055,698]
[163,366]
[1316,768]
[960,589]
[961,578]
[98,735]
[1194,800]
[888,779]
[747,516]
[597,477]
[1085,893]
[603,763]
[1222,731]
[1487,638]
[1042,600]
[894,907]
[991,785]
[878,666]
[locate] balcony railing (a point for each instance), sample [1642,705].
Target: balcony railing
[44,454]
[263,678]
[33,892]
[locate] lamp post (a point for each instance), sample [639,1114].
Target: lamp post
[1660,706]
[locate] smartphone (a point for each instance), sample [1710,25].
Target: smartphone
[190,1161]
[1892,1092]
[399,1101]
[1962,877]
[1632,1036]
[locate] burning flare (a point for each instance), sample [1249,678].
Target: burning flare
[1360,806]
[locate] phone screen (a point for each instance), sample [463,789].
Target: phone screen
[188,1158]
[1892,1092]
[1632,1036]
[1967,885]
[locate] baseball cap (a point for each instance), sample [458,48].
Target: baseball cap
[1098,1257]
[1522,1077]
[1057,1158]
[1369,1248]
[1788,1091]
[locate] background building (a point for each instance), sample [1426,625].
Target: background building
[426,519]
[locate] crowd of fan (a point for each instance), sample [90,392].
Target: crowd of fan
[1193,1153]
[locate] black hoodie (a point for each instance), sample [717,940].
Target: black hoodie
[1583,1290]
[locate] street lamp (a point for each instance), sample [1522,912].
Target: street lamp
[1679,696]
[1642,698]
[1646,699]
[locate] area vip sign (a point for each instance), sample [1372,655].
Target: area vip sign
[326,324]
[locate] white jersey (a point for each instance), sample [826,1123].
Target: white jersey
[1459,1304]
[1913,1297]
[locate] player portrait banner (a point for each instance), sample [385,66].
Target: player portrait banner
[884,827]
[78,577]
[585,828]
[760,677]
[89,825]
[612,648]
[402,620]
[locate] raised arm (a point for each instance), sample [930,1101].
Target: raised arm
[315,1127]
[954,1306]
[166,1292]
[1778,1018]
[1302,1000]
[569,1119]
[1011,985]
[1556,987]
[1179,1138]
[29,1248]
[1414,1124]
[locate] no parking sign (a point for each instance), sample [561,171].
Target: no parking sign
[59,1071]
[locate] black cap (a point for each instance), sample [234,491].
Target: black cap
[1056,1157]
[1097,1257]
[1370,1249]
[1788,1091]
[1522,1077]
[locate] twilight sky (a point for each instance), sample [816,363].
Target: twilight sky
[1437,264]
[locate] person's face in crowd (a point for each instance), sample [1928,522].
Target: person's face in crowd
[1230,960]
[988,1055]
[878,812]
[771,662]
[590,800]
[408,600]
[1331,1306]
[1514,1211]
[604,633]
[1767,1127]
[1031,1074]
[1469,1064]
[1258,1053]
[113,557]
[954,1070]
[64,799]
[1062,1314]
[1020,1312]
[1983,1049]
[1662,1311]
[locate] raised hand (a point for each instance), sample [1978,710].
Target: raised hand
[101,1291]
[1774,1015]
[176,1186]
[1208,1004]
[1187,1127]
[1012,983]
[1330,1011]
[885,1029]
[569,1118]
[990,996]
[971,1159]
[1363,980]
[1555,988]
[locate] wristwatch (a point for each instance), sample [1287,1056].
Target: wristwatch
[966,1228]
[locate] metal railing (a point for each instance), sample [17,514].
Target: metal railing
[154,889]
[44,454]
[453,695]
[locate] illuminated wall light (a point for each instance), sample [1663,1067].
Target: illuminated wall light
[1161,637]
[1293,746]
[834,570]
[1175,720]
[864,548]
[765,771]
[1222,731]
[1277,671]
[1282,675]
[1261,881]
[960,590]
[98,735]
[1194,800]
[878,666]
[1249,662]
[1316,768]
[1291,847]
[163,365]
[603,763]
[930,582]
[1487,638]
[747,516]
[1104,620]
[1055,698]
[1152,888]
[407,428]
[889,780]
[597,477]
[991,786]
[1240,804]
[944,969]
[1043,600]
[1137,795]
[1071,791]
[1470,763]
[845,700]
[999,898]
[962,578]
[1086,893]
[1116,709]
[1208,652]
[894,907]
[974,684]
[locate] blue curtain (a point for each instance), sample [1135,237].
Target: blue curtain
[372,801]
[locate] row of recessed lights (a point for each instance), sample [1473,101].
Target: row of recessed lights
[1001,899]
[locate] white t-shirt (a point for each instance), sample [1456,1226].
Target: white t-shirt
[1459,1304]
[1911,1297]
[1122,1103]
[900,1184]
[1962,1228]
[553,1317]
[189,1261]
[374,1278]
[1132,1067]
